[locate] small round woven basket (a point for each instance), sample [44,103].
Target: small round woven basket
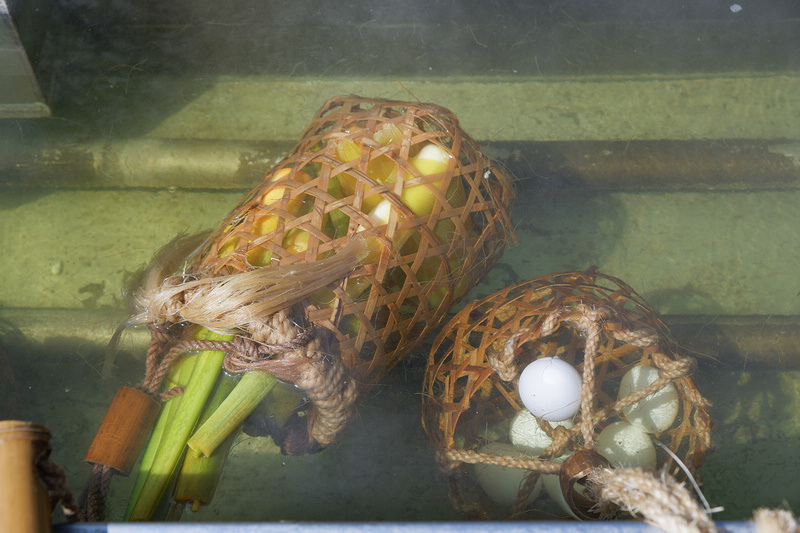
[431,211]
[596,323]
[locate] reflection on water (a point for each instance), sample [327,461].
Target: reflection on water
[140,92]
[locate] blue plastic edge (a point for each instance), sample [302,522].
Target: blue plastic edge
[387,527]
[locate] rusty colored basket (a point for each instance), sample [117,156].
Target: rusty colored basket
[439,226]
[471,393]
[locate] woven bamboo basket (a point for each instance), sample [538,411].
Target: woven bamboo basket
[472,375]
[431,213]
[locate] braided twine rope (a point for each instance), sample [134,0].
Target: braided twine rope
[593,321]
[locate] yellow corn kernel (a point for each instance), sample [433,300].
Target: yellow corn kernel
[347,183]
[275,193]
[370,202]
[259,256]
[380,214]
[265,224]
[357,286]
[388,134]
[382,169]
[373,251]
[228,246]
[295,241]
[347,150]
[323,297]
[428,167]
[280,174]
[420,198]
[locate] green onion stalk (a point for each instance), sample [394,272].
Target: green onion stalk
[164,462]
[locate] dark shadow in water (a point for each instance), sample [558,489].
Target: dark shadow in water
[686,300]
[13,198]
[566,229]
[560,226]
[108,64]
[755,432]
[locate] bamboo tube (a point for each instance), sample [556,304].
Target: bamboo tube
[24,504]
[124,430]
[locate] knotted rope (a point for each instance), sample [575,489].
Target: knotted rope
[591,323]
[278,347]
[658,499]
[55,479]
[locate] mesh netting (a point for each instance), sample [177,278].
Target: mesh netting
[590,320]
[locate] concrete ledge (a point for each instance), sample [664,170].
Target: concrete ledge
[20,96]
[743,106]
[158,163]
[737,342]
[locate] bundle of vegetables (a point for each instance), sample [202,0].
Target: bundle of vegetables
[339,262]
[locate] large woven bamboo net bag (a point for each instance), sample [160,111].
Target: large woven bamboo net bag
[393,210]
[345,256]
[474,416]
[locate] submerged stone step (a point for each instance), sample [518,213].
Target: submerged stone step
[162,163]
[608,108]
[687,253]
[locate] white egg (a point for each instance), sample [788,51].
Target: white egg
[501,483]
[552,486]
[653,413]
[624,444]
[525,432]
[550,388]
